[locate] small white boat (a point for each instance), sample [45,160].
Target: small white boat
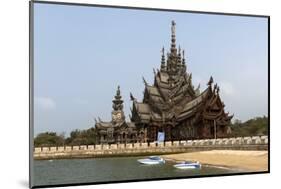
[152,160]
[188,165]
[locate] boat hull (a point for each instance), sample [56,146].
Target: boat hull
[151,162]
[188,166]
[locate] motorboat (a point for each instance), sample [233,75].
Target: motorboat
[188,165]
[152,160]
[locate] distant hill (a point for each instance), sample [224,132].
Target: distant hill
[255,126]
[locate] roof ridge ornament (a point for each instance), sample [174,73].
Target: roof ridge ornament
[144,81]
[132,97]
[215,88]
[211,81]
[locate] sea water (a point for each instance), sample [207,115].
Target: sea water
[70,171]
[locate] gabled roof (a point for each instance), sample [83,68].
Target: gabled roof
[195,102]
[146,113]
[106,125]
[153,91]
[142,108]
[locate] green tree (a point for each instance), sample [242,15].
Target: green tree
[49,139]
[251,127]
[82,137]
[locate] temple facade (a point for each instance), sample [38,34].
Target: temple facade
[171,105]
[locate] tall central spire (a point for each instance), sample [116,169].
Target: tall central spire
[173,39]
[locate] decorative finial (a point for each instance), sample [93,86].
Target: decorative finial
[118,91]
[210,81]
[132,97]
[96,120]
[218,90]
[144,81]
[179,56]
[183,58]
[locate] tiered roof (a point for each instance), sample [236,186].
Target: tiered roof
[172,97]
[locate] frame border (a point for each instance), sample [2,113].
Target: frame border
[31,89]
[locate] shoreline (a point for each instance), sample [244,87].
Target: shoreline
[240,160]
[83,156]
[246,161]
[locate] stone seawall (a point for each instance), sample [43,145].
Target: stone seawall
[135,149]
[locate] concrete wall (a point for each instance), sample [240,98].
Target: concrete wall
[239,143]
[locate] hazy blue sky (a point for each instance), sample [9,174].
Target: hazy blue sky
[83,53]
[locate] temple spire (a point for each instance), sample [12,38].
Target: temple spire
[118,93]
[173,38]
[117,101]
[163,66]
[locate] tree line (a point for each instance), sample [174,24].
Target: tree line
[251,127]
[77,137]
[256,126]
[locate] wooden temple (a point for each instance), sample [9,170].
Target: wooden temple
[172,105]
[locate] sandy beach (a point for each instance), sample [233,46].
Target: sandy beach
[244,160]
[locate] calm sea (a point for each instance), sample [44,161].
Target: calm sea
[69,171]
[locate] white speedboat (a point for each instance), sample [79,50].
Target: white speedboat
[152,160]
[188,165]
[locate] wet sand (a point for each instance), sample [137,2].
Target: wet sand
[244,160]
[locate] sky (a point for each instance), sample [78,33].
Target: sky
[81,55]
